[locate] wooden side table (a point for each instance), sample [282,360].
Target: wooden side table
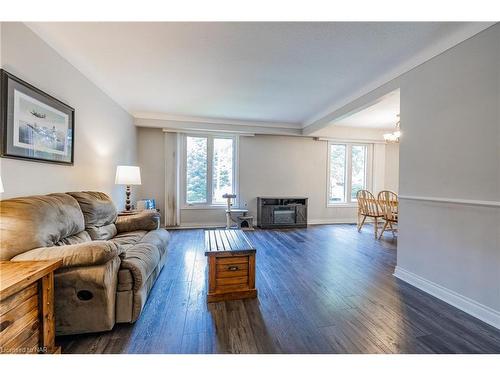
[27,321]
[231,265]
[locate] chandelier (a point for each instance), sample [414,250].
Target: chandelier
[394,136]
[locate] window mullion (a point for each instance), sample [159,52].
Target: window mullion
[210,155]
[235,170]
[349,173]
[370,165]
[184,169]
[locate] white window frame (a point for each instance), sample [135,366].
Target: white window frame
[210,153]
[348,202]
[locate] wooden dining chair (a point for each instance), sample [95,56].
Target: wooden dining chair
[389,206]
[367,207]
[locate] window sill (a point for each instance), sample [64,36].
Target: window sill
[205,207]
[340,205]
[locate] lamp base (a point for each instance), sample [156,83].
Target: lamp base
[127,200]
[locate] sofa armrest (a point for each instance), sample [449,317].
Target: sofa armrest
[82,254]
[145,220]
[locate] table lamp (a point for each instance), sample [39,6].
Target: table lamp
[128,175]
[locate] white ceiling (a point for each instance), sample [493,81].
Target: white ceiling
[380,115]
[267,72]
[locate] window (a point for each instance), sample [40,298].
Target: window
[347,172]
[222,171]
[209,169]
[337,173]
[358,169]
[196,170]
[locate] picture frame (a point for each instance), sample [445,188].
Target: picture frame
[34,126]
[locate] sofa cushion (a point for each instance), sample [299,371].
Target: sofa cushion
[105,232]
[84,254]
[145,220]
[159,237]
[142,258]
[74,239]
[129,303]
[38,221]
[99,213]
[128,239]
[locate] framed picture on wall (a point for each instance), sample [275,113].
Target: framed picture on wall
[34,125]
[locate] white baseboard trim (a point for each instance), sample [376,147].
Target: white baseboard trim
[222,225]
[199,225]
[474,308]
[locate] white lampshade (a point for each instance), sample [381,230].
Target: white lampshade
[1,185]
[128,175]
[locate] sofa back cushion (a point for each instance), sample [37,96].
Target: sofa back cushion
[38,221]
[99,213]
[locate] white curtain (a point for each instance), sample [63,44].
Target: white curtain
[172,210]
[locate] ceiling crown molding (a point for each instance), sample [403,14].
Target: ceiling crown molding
[218,121]
[196,124]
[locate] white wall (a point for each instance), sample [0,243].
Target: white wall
[104,133]
[288,166]
[391,177]
[269,165]
[151,159]
[281,166]
[450,149]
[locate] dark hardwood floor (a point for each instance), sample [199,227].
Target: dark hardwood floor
[325,289]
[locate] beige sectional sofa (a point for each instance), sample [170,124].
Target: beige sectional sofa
[110,263]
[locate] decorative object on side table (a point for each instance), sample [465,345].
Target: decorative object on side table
[128,175]
[146,204]
[35,126]
[231,265]
[27,317]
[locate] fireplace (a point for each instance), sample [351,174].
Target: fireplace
[284,212]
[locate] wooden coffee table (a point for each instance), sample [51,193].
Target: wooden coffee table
[231,265]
